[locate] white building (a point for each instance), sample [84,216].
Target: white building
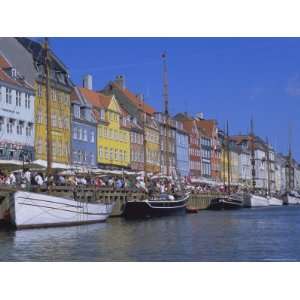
[16,114]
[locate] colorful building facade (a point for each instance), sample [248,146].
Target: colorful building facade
[60,107]
[113,138]
[182,150]
[84,132]
[16,114]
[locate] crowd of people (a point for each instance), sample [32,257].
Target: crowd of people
[27,178]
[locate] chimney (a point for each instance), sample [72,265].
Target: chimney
[88,82]
[200,116]
[140,96]
[120,81]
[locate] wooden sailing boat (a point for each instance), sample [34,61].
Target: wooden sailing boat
[252,199]
[290,197]
[163,203]
[229,201]
[273,201]
[36,209]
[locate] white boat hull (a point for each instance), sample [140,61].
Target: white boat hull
[275,201]
[255,201]
[292,200]
[30,210]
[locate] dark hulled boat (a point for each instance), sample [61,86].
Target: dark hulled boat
[163,205]
[226,202]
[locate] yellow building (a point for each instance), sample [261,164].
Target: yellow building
[234,170]
[60,123]
[113,137]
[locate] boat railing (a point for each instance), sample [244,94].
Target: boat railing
[84,193]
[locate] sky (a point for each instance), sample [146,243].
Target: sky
[230,79]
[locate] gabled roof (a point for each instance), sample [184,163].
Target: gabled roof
[134,99]
[207,125]
[6,78]
[4,63]
[96,99]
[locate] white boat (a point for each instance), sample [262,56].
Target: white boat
[32,210]
[290,200]
[275,201]
[252,200]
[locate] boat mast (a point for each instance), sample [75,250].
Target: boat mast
[268,166]
[252,155]
[228,158]
[166,109]
[289,162]
[224,157]
[48,108]
[142,109]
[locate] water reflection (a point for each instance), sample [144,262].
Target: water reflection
[244,235]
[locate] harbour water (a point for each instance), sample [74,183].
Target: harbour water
[262,234]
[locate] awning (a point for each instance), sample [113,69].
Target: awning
[10,164]
[42,164]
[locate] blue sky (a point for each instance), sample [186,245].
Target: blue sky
[225,78]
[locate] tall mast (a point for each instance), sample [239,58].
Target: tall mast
[252,155]
[228,158]
[48,108]
[289,162]
[224,145]
[268,166]
[166,109]
[142,110]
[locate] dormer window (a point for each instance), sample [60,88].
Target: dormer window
[13,73]
[102,114]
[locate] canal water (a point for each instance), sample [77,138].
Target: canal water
[262,234]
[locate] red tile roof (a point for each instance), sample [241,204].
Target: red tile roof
[97,99]
[207,126]
[135,99]
[4,63]
[6,78]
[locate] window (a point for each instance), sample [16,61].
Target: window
[19,129]
[53,119]
[92,158]
[106,152]
[111,154]
[102,114]
[18,98]
[8,96]
[39,90]
[28,130]
[92,136]
[27,101]
[84,135]
[39,146]
[100,152]
[105,132]
[40,116]
[116,154]
[9,127]
[79,133]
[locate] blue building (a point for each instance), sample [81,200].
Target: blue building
[182,150]
[16,114]
[84,132]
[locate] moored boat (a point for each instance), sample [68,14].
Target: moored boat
[162,205]
[273,201]
[290,199]
[34,210]
[252,200]
[226,202]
